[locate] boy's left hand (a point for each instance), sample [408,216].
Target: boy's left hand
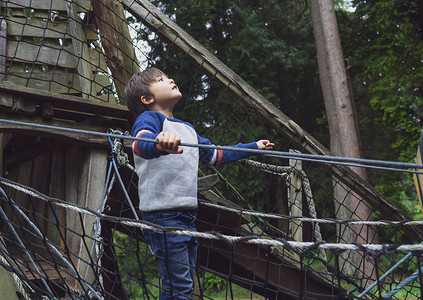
[265,145]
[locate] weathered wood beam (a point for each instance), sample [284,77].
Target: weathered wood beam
[92,183]
[295,201]
[117,42]
[81,5]
[58,56]
[64,101]
[58,82]
[24,27]
[3,43]
[152,17]
[81,50]
[82,138]
[271,273]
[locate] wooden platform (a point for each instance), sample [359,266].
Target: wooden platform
[51,268]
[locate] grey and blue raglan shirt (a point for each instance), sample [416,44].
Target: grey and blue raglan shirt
[169,181]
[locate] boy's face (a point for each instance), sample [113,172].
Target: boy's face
[165,91]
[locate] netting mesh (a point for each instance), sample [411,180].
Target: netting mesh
[84,240]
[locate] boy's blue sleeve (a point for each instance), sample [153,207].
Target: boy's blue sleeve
[217,157]
[148,125]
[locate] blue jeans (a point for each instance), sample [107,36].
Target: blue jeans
[175,254]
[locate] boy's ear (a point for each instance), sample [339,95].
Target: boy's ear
[147,99]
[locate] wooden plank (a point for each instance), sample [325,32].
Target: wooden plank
[55,56]
[57,82]
[81,5]
[17,104]
[66,101]
[40,14]
[40,181]
[82,139]
[3,42]
[24,171]
[152,17]
[2,144]
[57,214]
[40,54]
[117,42]
[23,27]
[73,173]
[12,174]
[296,199]
[253,261]
[98,60]
[80,48]
[92,184]
[6,101]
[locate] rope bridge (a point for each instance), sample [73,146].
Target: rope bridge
[114,263]
[294,224]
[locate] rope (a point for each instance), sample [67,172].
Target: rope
[52,247]
[312,220]
[382,248]
[285,171]
[365,163]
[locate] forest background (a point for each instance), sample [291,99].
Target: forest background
[270,44]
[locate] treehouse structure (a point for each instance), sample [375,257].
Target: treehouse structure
[64,65]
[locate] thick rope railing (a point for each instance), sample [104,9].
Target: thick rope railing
[383,248]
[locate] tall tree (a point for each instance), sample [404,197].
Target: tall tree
[344,136]
[383,44]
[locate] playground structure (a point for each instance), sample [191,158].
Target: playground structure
[64,65]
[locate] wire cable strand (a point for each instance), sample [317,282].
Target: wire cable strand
[350,161]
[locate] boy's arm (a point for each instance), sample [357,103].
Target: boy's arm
[168,142]
[149,126]
[217,157]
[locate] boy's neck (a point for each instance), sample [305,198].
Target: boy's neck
[165,108]
[166,112]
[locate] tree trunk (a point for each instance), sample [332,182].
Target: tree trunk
[117,43]
[344,138]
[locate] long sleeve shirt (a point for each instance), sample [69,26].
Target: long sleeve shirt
[169,181]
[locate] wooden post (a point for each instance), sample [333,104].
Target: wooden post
[1,152]
[92,183]
[3,26]
[296,200]
[81,50]
[57,190]
[73,170]
[116,42]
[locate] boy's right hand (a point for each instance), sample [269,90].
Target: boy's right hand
[169,142]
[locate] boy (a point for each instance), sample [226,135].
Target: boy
[167,175]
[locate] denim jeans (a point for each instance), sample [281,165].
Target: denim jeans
[175,254]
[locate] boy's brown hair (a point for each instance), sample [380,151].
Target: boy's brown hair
[139,85]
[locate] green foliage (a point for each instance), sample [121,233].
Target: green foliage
[269,43]
[213,282]
[382,43]
[130,253]
[384,50]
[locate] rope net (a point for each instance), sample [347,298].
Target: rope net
[268,227]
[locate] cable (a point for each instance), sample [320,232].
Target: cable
[279,154]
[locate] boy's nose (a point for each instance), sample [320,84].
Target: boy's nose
[171,81]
